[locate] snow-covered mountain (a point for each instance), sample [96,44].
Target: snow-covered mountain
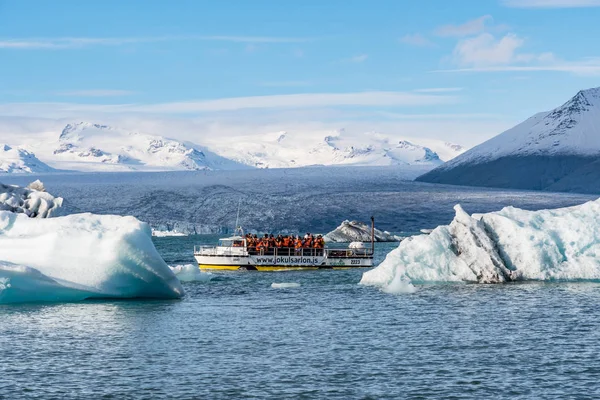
[536,154]
[299,149]
[87,146]
[15,160]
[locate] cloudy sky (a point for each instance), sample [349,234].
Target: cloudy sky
[461,70]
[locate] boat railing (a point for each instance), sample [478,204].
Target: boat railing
[220,251]
[283,252]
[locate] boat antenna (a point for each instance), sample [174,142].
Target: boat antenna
[372,235]
[237,219]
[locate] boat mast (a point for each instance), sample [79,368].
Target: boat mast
[372,235]
[237,218]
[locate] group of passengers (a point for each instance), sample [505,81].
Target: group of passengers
[268,243]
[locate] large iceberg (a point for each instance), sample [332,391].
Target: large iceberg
[502,246]
[354,231]
[80,256]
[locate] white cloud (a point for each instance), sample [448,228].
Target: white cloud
[357,59]
[96,93]
[308,100]
[439,90]
[80,42]
[312,101]
[485,49]
[285,83]
[465,129]
[551,3]
[581,68]
[417,39]
[471,27]
[457,116]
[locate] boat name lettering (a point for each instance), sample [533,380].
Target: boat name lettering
[289,260]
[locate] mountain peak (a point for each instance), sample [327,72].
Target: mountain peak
[15,160]
[533,154]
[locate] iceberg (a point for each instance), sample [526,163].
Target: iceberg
[78,257]
[354,231]
[503,246]
[32,201]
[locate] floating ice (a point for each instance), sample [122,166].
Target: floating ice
[285,285]
[191,273]
[508,245]
[354,231]
[80,256]
[399,285]
[32,201]
[158,233]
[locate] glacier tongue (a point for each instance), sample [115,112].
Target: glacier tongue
[508,245]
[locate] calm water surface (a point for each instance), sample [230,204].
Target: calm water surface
[237,337]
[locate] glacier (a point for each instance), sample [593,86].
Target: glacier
[80,256]
[497,247]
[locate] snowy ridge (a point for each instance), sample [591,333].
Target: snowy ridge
[298,149]
[15,160]
[571,129]
[87,146]
[507,245]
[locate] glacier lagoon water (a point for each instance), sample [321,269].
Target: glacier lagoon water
[313,334]
[237,336]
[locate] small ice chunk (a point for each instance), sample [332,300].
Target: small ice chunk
[285,285]
[191,273]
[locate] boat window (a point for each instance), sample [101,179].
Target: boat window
[238,243]
[225,243]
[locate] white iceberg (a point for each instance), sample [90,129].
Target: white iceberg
[191,273]
[354,231]
[502,246]
[80,256]
[32,201]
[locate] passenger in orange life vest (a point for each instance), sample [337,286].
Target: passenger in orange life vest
[286,241]
[297,244]
[308,241]
[272,243]
[319,242]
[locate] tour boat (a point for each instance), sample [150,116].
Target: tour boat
[232,254]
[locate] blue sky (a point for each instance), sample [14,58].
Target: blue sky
[483,64]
